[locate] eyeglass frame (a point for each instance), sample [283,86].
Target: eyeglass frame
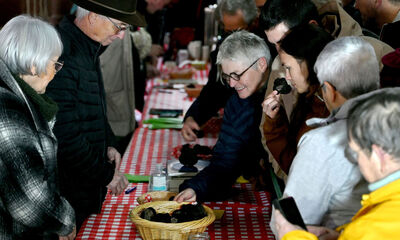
[58,65]
[119,28]
[320,90]
[322,86]
[226,77]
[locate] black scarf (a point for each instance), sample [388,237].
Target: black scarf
[46,106]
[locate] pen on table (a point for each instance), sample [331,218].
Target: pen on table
[164,91]
[130,190]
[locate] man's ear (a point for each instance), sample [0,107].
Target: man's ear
[92,17]
[33,70]
[380,157]
[330,92]
[262,64]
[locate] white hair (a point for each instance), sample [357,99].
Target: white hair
[350,65]
[28,42]
[244,47]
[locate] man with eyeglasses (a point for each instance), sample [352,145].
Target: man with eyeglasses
[326,186]
[234,15]
[243,60]
[87,159]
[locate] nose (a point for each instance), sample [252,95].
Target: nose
[287,75]
[232,83]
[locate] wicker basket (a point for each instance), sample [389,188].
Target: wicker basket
[155,196]
[172,231]
[195,91]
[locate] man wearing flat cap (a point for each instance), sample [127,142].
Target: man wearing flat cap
[88,162]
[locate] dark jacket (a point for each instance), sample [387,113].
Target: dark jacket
[213,96]
[30,204]
[82,128]
[390,34]
[237,151]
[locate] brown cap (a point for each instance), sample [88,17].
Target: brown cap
[123,10]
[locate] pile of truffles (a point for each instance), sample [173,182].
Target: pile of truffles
[186,213]
[190,155]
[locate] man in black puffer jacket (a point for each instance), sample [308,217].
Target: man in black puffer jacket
[88,162]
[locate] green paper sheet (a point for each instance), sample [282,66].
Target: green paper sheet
[163,120]
[137,178]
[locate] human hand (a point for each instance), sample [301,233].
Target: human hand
[156,50]
[187,195]
[323,233]
[114,155]
[118,183]
[187,130]
[271,104]
[70,236]
[282,225]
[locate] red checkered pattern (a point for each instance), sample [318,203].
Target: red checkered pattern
[200,76]
[246,215]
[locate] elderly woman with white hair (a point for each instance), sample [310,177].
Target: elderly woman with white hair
[374,143]
[243,59]
[30,204]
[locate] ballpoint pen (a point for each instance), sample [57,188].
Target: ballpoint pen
[130,190]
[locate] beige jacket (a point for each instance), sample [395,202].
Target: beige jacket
[117,68]
[332,13]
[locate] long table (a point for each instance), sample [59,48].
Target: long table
[246,216]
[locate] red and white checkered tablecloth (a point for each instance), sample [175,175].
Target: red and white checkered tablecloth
[248,219]
[200,76]
[246,216]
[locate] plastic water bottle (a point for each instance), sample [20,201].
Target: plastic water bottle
[166,41]
[158,179]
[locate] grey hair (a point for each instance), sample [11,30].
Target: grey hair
[244,47]
[349,64]
[230,7]
[376,120]
[81,13]
[28,42]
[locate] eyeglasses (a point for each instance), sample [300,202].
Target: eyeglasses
[319,90]
[58,65]
[322,86]
[120,28]
[235,76]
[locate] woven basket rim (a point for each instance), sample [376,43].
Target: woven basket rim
[156,194]
[182,227]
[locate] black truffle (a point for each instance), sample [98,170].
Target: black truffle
[188,212]
[282,86]
[188,157]
[161,217]
[203,150]
[148,213]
